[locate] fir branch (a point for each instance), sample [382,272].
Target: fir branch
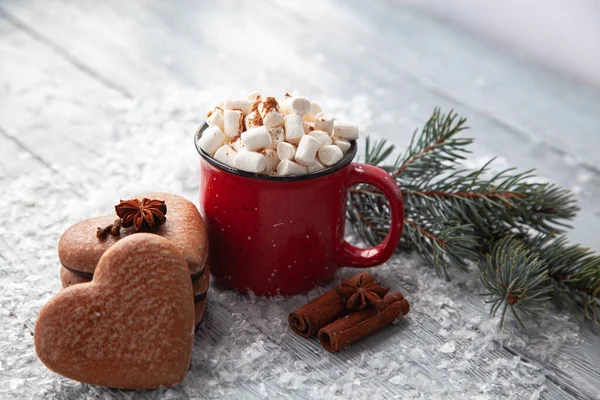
[424,232]
[515,278]
[567,269]
[455,216]
[375,155]
[574,270]
[501,204]
[446,242]
[432,151]
[472,195]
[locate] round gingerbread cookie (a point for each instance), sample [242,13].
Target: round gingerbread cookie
[201,285]
[79,249]
[68,278]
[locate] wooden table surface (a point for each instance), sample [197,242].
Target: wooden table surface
[84,84]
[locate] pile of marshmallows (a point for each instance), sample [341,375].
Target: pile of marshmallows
[265,136]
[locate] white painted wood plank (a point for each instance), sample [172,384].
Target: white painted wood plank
[48,107]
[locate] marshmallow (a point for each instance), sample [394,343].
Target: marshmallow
[324,122]
[308,126]
[272,160]
[322,137]
[287,167]
[238,145]
[234,123]
[244,105]
[215,118]
[212,138]
[255,97]
[261,135]
[256,138]
[294,129]
[253,120]
[277,136]
[285,151]
[273,119]
[250,161]
[269,112]
[307,150]
[329,155]
[312,114]
[343,144]
[295,105]
[226,155]
[315,167]
[345,130]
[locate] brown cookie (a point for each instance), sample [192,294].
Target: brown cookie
[79,249]
[131,327]
[200,287]
[68,278]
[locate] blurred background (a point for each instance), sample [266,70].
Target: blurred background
[561,35]
[98,75]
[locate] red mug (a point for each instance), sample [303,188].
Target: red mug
[285,235]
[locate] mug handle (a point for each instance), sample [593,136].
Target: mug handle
[352,256]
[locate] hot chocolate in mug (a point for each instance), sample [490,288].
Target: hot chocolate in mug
[285,235]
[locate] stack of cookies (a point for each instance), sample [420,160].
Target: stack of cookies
[79,251]
[134,289]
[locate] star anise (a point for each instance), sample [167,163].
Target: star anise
[144,215]
[360,295]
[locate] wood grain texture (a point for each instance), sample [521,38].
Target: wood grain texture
[62,65]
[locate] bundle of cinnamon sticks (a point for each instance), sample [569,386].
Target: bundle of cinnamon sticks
[354,309]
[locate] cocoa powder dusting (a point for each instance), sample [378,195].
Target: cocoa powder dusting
[257,120]
[270,104]
[241,122]
[210,112]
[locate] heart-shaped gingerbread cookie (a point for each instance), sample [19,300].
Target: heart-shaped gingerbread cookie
[79,249]
[200,285]
[131,327]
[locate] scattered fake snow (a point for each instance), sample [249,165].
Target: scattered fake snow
[446,347]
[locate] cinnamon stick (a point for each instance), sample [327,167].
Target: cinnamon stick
[357,325]
[307,320]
